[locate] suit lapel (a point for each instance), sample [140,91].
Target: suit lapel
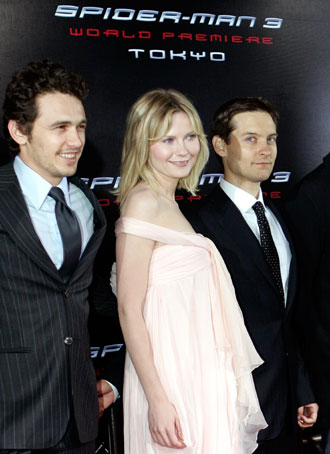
[99,229]
[99,218]
[15,219]
[237,235]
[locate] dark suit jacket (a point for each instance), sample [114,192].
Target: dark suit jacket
[44,345]
[266,318]
[307,209]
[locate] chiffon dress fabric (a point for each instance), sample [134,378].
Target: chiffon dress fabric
[202,351]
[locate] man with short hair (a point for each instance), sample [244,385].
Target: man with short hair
[256,247]
[51,226]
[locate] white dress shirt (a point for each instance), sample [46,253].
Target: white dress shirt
[244,202]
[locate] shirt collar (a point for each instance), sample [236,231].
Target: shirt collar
[242,199]
[34,186]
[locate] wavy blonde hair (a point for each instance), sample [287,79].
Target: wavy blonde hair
[148,120]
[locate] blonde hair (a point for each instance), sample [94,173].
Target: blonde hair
[148,120]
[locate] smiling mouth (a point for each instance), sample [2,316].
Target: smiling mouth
[68,155]
[179,163]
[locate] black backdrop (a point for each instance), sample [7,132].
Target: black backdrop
[210,50]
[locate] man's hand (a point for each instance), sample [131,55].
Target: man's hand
[105,395]
[307,415]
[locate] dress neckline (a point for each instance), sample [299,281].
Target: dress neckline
[185,232]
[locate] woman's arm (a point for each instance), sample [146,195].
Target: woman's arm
[133,255]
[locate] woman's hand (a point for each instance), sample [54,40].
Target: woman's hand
[165,426]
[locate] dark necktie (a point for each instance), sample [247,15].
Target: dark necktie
[70,232]
[268,246]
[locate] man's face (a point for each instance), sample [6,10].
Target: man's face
[57,138]
[250,156]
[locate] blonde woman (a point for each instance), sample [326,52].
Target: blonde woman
[188,385]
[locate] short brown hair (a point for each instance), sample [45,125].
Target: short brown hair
[222,124]
[37,78]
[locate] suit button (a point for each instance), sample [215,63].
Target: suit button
[68,340]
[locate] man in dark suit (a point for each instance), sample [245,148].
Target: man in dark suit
[48,397]
[307,211]
[244,133]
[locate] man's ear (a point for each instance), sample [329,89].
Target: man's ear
[219,145]
[16,132]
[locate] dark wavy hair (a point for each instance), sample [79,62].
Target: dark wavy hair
[222,124]
[37,78]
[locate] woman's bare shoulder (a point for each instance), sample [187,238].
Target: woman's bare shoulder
[142,203]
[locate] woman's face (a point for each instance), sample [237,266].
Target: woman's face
[174,155]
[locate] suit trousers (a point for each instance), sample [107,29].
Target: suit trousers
[287,440]
[326,441]
[69,444]
[285,443]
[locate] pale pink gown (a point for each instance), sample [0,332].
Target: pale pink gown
[202,351]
